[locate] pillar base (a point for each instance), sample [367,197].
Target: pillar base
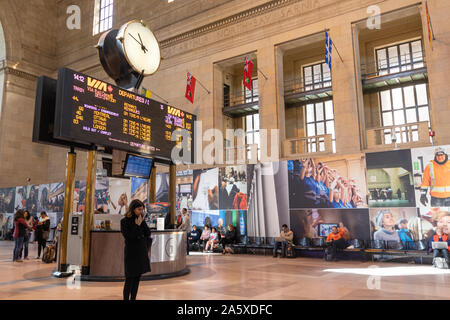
[85,271]
[61,274]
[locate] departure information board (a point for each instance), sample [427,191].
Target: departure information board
[92,111]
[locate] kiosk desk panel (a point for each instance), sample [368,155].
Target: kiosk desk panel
[168,255]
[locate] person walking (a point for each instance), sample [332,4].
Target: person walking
[20,227]
[42,232]
[137,234]
[186,227]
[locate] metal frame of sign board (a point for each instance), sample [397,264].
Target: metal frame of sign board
[63,132]
[44,120]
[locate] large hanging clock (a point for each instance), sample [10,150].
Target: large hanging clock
[130,53]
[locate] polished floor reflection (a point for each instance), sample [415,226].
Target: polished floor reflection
[236,277]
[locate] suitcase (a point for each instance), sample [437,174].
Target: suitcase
[290,251]
[49,253]
[440,263]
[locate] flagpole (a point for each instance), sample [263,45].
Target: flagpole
[164,100]
[262,73]
[199,82]
[431,24]
[332,42]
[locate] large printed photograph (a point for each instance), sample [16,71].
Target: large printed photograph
[396,225]
[431,170]
[268,199]
[7,200]
[233,187]
[318,183]
[205,189]
[390,179]
[317,223]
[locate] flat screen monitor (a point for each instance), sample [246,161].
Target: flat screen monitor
[136,166]
[185,188]
[325,229]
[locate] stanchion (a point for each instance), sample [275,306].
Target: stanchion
[62,272]
[173,193]
[89,211]
[152,196]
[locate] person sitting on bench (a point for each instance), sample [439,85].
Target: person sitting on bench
[286,237]
[440,236]
[194,236]
[335,240]
[228,239]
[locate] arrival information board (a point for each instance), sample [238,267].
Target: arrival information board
[89,110]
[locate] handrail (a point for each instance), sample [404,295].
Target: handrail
[296,85]
[417,132]
[373,69]
[303,145]
[237,98]
[240,153]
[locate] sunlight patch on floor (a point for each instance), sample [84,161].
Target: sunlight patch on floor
[392,271]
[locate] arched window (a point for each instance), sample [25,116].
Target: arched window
[103,15]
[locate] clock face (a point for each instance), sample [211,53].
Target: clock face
[140,47]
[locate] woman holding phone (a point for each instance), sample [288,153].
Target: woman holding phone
[136,234]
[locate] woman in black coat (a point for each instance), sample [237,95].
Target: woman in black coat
[230,238]
[136,233]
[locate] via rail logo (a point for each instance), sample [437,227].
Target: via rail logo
[170,247]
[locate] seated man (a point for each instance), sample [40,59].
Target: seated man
[440,236]
[335,240]
[286,237]
[194,236]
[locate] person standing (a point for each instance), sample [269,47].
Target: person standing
[137,234]
[42,232]
[29,220]
[20,227]
[186,227]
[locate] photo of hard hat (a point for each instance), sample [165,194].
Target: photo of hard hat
[439,151]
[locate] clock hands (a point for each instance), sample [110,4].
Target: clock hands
[140,42]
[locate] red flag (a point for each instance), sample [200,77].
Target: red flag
[430,32]
[248,70]
[190,87]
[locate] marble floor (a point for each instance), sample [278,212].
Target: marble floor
[231,277]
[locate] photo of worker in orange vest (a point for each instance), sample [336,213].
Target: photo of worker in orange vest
[436,178]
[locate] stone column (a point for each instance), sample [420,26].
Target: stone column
[269,113]
[437,61]
[345,98]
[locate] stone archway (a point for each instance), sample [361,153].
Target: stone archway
[12,31]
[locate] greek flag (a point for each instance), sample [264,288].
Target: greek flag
[329,46]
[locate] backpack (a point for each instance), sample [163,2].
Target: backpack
[440,263]
[290,251]
[49,253]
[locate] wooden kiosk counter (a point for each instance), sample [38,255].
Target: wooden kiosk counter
[168,256]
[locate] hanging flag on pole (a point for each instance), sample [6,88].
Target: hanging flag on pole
[328,49]
[430,27]
[248,70]
[146,93]
[190,87]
